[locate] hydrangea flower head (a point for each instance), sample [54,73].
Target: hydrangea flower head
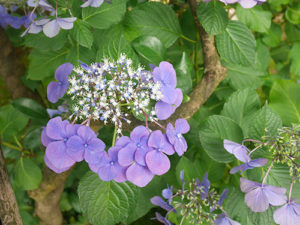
[241,153]
[58,89]
[156,160]
[288,214]
[54,137]
[259,196]
[175,135]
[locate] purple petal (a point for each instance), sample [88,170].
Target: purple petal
[247,3]
[138,133]
[163,110]
[139,175]
[63,71]
[162,219]
[165,74]
[171,133]
[53,91]
[87,3]
[141,152]
[256,200]
[276,195]
[94,151]
[169,95]
[182,126]
[223,219]
[179,97]
[55,129]
[45,139]
[66,23]
[180,146]
[205,184]
[286,215]
[242,167]
[75,148]
[156,200]
[155,139]
[126,154]
[86,133]
[109,171]
[167,193]
[96,3]
[51,29]
[157,162]
[57,156]
[258,162]
[239,151]
[121,177]
[248,185]
[50,166]
[122,141]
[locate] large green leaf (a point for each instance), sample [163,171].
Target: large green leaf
[82,33]
[106,202]
[255,18]
[237,44]
[212,16]
[28,174]
[150,48]
[30,108]
[241,106]
[43,64]
[154,19]
[184,70]
[285,99]
[265,122]
[11,122]
[295,58]
[105,15]
[212,134]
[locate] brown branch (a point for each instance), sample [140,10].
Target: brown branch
[9,210]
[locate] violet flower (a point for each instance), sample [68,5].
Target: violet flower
[58,89]
[241,153]
[51,29]
[55,136]
[167,193]
[259,196]
[175,135]
[156,200]
[42,3]
[35,27]
[223,219]
[205,184]
[156,160]
[133,157]
[94,3]
[85,145]
[288,214]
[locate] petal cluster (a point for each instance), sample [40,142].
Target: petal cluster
[288,214]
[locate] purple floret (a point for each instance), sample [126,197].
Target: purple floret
[175,135]
[288,214]
[223,219]
[259,196]
[51,29]
[58,89]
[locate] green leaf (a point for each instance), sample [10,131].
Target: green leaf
[150,48]
[43,64]
[212,134]
[237,44]
[32,140]
[105,15]
[293,13]
[184,70]
[212,16]
[28,174]
[154,19]
[241,106]
[241,77]
[82,33]
[11,122]
[284,99]
[295,58]
[30,108]
[255,18]
[262,57]
[191,169]
[273,37]
[106,202]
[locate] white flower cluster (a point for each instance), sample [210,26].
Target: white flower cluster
[109,90]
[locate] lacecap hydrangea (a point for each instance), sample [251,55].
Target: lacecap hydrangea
[113,92]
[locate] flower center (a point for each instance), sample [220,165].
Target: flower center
[138,145]
[65,139]
[112,163]
[85,145]
[59,83]
[159,149]
[179,135]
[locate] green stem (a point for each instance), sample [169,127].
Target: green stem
[187,39]
[12,146]
[114,137]
[196,64]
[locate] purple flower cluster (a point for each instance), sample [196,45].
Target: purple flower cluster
[243,3]
[243,154]
[14,21]
[165,75]
[199,203]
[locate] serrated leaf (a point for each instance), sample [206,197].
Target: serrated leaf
[241,106]
[82,33]
[11,122]
[212,134]
[30,108]
[44,64]
[273,37]
[150,48]
[264,120]
[284,99]
[212,16]
[28,174]
[255,18]
[106,202]
[184,70]
[295,58]
[236,44]
[106,15]
[154,19]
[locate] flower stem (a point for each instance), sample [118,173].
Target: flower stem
[12,146]
[253,150]
[291,188]
[158,124]
[114,137]
[268,171]
[252,140]
[187,39]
